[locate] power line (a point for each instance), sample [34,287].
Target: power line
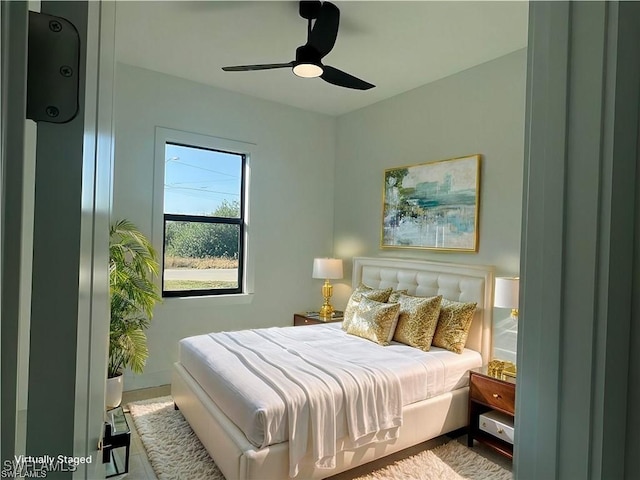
[203,181]
[202,168]
[202,190]
[199,195]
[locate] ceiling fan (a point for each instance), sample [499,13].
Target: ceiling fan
[321,37]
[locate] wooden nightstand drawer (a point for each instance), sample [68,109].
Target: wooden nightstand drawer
[493,393]
[301,319]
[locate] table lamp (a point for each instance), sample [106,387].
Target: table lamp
[507,293]
[328,269]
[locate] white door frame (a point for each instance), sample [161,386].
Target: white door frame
[576,370]
[70,301]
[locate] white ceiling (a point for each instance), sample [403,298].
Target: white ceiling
[395,45]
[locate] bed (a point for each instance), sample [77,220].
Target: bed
[241,453]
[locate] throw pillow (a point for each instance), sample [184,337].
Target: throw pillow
[374,321]
[379,295]
[417,320]
[395,294]
[453,325]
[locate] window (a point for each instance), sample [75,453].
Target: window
[204,221]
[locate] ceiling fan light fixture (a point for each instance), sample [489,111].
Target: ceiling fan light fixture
[307,70]
[321,37]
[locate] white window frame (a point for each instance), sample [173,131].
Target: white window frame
[165,135]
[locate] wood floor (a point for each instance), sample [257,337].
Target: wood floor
[140,468]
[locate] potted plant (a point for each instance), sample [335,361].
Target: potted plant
[132,266]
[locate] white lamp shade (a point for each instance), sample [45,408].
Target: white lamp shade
[507,292]
[328,268]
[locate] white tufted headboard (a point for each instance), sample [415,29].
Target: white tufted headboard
[464,283]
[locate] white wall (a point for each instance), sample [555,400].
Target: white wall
[480,110]
[291,200]
[295,212]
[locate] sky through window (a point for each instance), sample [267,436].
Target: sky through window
[198,180]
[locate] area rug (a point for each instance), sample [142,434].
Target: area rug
[175,452]
[452,461]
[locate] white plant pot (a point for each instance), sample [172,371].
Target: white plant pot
[114,392]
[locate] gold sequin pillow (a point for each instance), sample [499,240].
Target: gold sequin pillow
[379,295]
[453,325]
[395,294]
[417,320]
[374,321]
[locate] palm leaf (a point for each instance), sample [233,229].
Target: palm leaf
[133,265]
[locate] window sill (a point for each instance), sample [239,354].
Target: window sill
[208,300]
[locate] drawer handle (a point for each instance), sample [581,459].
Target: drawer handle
[484,424]
[496,395]
[500,431]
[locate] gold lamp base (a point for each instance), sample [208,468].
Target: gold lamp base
[326,311]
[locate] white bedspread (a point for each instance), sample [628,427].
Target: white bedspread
[313,385]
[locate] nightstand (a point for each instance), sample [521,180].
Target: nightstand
[312,318]
[491,410]
[117,435]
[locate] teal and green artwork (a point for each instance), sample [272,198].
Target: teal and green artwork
[432,205]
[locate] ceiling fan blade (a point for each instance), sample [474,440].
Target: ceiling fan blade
[266,66]
[325,29]
[343,79]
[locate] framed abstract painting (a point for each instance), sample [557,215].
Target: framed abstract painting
[432,205]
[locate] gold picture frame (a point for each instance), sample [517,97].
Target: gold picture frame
[432,206]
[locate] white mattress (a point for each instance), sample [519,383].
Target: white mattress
[259,411]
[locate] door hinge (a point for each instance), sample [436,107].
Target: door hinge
[53,69]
